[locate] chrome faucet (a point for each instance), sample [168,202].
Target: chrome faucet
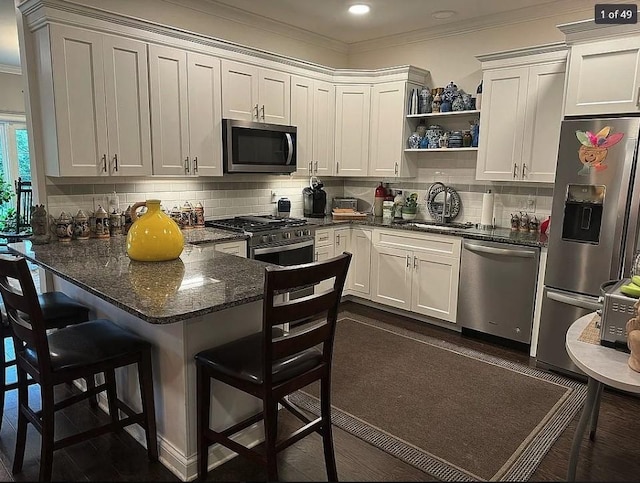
[446,204]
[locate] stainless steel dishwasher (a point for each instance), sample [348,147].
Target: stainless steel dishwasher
[497,289]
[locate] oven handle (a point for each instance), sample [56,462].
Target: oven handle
[290,148]
[283,248]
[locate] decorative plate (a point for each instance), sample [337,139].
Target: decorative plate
[435,202]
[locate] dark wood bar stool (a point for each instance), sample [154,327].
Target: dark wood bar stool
[271,364]
[77,351]
[58,310]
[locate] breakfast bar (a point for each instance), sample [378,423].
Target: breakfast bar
[202,299]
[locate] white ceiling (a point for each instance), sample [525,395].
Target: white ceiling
[329,18]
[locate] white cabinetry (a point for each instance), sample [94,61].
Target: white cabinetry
[353,110]
[387,130]
[185,112]
[520,118]
[94,98]
[604,77]
[416,272]
[360,267]
[237,248]
[313,113]
[324,247]
[253,93]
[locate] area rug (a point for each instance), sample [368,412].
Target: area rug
[455,413]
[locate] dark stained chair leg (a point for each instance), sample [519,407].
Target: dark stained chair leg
[271,436]
[21,432]
[3,368]
[145,378]
[91,384]
[327,433]
[48,429]
[112,394]
[203,398]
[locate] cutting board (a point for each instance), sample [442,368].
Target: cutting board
[347,214]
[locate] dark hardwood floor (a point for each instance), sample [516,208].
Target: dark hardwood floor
[117,457]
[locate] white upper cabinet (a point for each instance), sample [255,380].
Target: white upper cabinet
[520,121]
[313,114]
[185,112]
[253,93]
[603,77]
[387,136]
[95,103]
[353,109]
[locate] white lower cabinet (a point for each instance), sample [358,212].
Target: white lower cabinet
[237,248]
[360,268]
[417,273]
[324,250]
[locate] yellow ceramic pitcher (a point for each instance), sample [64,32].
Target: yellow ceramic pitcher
[153,237]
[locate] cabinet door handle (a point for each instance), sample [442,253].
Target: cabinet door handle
[337,166]
[262,109]
[316,257]
[415,262]
[115,163]
[104,163]
[524,166]
[338,239]
[195,165]
[515,170]
[638,99]
[408,261]
[316,170]
[310,167]
[256,108]
[186,165]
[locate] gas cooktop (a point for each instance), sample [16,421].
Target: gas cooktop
[256,223]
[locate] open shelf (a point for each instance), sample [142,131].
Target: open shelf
[443,114]
[438,149]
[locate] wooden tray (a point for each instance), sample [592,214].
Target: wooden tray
[349,215]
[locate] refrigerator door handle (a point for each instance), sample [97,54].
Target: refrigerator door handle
[625,231]
[582,301]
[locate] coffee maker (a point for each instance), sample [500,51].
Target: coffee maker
[315,199]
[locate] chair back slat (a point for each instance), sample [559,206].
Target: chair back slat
[325,305]
[22,306]
[303,308]
[289,345]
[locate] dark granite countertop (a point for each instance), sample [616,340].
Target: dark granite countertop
[157,292]
[211,235]
[502,235]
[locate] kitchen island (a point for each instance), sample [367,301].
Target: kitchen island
[203,299]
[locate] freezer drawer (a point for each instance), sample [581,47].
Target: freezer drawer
[497,289]
[560,309]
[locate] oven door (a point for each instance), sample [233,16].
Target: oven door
[288,255]
[285,255]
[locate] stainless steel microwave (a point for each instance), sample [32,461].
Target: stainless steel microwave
[256,147]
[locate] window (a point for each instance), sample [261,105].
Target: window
[14,154]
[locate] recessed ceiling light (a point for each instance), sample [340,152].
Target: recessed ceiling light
[442,14]
[359,9]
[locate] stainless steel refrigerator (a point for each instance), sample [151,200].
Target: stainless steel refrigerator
[594,225]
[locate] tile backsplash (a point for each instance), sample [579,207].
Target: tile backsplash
[252,194]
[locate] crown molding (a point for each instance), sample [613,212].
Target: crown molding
[473,25]
[557,47]
[589,29]
[10,69]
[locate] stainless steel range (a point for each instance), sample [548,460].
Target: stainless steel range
[283,241]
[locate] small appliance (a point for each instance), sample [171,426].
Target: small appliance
[617,309]
[284,207]
[348,203]
[256,147]
[315,199]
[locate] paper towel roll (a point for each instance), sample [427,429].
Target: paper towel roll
[487,209]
